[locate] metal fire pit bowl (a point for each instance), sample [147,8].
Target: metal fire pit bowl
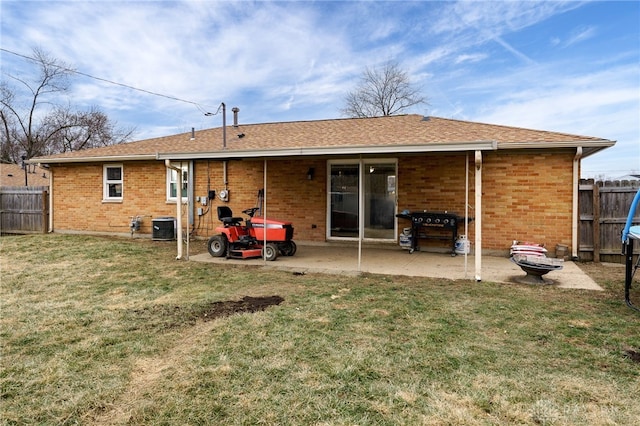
[535,269]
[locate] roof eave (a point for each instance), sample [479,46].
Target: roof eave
[89,159]
[331,151]
[589,147]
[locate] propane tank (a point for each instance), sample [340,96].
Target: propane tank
[462,245]
[405,239]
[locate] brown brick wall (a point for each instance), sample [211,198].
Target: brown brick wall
[433,183]
[78,205]
[532,192]
[290,195]
[526,195]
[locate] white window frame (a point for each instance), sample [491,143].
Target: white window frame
[107,183]
[170,180]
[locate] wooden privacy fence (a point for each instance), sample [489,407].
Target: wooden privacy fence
[604,206]
[24,209]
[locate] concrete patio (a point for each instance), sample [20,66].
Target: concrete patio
[329,259]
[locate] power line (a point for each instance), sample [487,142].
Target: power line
[149,92]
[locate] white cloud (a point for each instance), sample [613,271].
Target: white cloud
[580,35]
[495,17]
[472,57]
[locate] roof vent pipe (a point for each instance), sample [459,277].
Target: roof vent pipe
[193,133]
[235,110]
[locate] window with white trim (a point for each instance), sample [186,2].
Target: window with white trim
[174,182]
[113,182]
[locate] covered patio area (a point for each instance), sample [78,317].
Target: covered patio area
[332,259]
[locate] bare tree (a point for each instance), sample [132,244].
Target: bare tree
[382,91]
[34,123]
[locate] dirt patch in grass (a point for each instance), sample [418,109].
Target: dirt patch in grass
[632,355]
[170,316]
[247,304]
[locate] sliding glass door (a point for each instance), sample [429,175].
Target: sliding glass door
[362,195]
[379,200]
[344,203]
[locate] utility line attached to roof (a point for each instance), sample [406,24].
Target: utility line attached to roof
[197,105]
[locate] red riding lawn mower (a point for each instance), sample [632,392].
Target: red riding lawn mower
[242,242]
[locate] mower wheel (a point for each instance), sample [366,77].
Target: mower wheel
[288,248]
[217,245]
[270,252]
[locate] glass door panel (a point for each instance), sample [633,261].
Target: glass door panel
[344,203]
[379,200]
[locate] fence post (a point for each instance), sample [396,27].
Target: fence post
[45,204]
[596,223]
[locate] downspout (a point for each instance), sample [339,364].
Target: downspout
[167,164]
[50,200]
[190,202]
[478,215]
[360,211]
[574,216]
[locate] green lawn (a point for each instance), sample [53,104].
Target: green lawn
[115,331]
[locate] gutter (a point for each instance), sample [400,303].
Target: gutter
[100,159]
[337,150]
[278,152]
[588,147]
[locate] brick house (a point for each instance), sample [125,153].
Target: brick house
[334,179]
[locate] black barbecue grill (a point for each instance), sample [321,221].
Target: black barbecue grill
[421,220]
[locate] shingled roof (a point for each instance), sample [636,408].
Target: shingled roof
[401,134]
[14,175]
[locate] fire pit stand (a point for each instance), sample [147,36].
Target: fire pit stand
[535,267]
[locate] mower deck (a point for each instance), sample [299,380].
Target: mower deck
[245,253]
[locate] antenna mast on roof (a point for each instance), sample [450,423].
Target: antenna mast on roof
[224,123]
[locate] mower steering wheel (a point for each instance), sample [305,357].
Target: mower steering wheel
[250,212]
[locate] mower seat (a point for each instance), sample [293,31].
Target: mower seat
[226,216]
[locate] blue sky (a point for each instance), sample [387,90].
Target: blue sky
[572,66]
